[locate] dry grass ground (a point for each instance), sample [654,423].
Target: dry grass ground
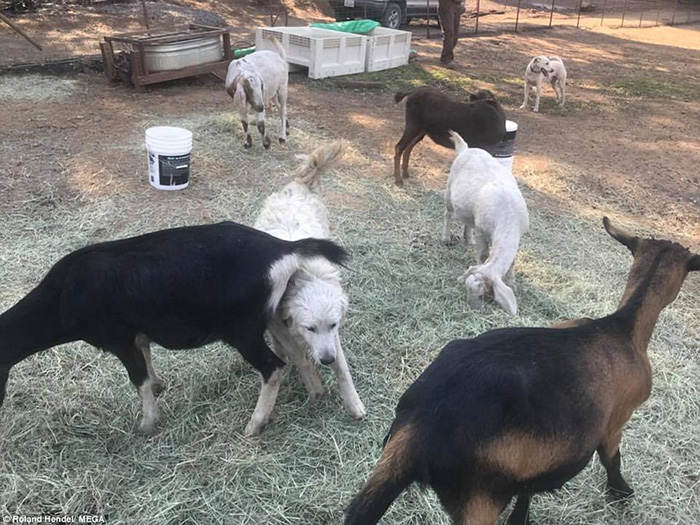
[73,171]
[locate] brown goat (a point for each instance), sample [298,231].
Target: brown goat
[519,411]
[480,122]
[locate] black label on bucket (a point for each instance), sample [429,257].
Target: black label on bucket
[505,148]
[173,170]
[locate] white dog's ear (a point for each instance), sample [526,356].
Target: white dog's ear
[504,296]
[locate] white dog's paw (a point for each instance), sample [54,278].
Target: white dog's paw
[355,408]
[536,110]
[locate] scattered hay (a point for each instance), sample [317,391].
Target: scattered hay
[69,426]
[37,88]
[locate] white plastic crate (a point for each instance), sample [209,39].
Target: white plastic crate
[326,53]
[387,48]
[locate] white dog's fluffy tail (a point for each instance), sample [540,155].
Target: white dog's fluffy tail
[278,47]
[319,162]
[459,143]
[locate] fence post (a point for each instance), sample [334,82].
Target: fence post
[658,13]
[517,17]
[578,20]
[690,12]
[476,29]
[427,15]
[551,14]
[641,15]
[673,18]
[602,16]
[624,12]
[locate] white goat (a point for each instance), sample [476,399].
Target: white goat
[484,195]
[253,82]
[314,304]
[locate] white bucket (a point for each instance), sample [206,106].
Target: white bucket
[168,157]
[504,151]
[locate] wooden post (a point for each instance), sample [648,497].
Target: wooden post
[673,18]
[478,7]
[517,17]
[19,30]
[108,57]
[602,16]
[578,20]
[427,15]
[145,17]
[641,15]
[228,54]
[551,14]
[624,12]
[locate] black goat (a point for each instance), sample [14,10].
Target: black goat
[180,288]
[519,411]
[480,122]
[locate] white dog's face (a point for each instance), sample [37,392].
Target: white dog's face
[541,63]
[315,312]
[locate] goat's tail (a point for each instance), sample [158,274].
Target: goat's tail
[399,96]
[319,162]
[282,269]
[278,47]
[459,143]
[392,475]
[30,326]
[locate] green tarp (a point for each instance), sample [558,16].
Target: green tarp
[238,53]
[359,27]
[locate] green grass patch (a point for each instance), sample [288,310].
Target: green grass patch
[652,88]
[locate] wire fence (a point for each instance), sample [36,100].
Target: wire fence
[483,16]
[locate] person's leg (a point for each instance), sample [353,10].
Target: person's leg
[446,15]
[457,20]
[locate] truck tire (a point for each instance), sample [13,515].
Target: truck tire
[393,16]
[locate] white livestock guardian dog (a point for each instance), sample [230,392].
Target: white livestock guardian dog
[254,82]
[553,70]
[313,307]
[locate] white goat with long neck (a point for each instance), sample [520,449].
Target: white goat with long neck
[484,195]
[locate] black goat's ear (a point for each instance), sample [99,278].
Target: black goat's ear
[621,235]
[694,264]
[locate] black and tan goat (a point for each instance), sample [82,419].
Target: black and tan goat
[519,411]
[481,122]
[180,288]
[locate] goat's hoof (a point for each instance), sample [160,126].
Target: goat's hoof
[536,110]
[447,241]
[158,387]
[266,145]
[148,426]
[254,428]
[282,140]
[622,492]
[247,145]
[316,396]
[522,107]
